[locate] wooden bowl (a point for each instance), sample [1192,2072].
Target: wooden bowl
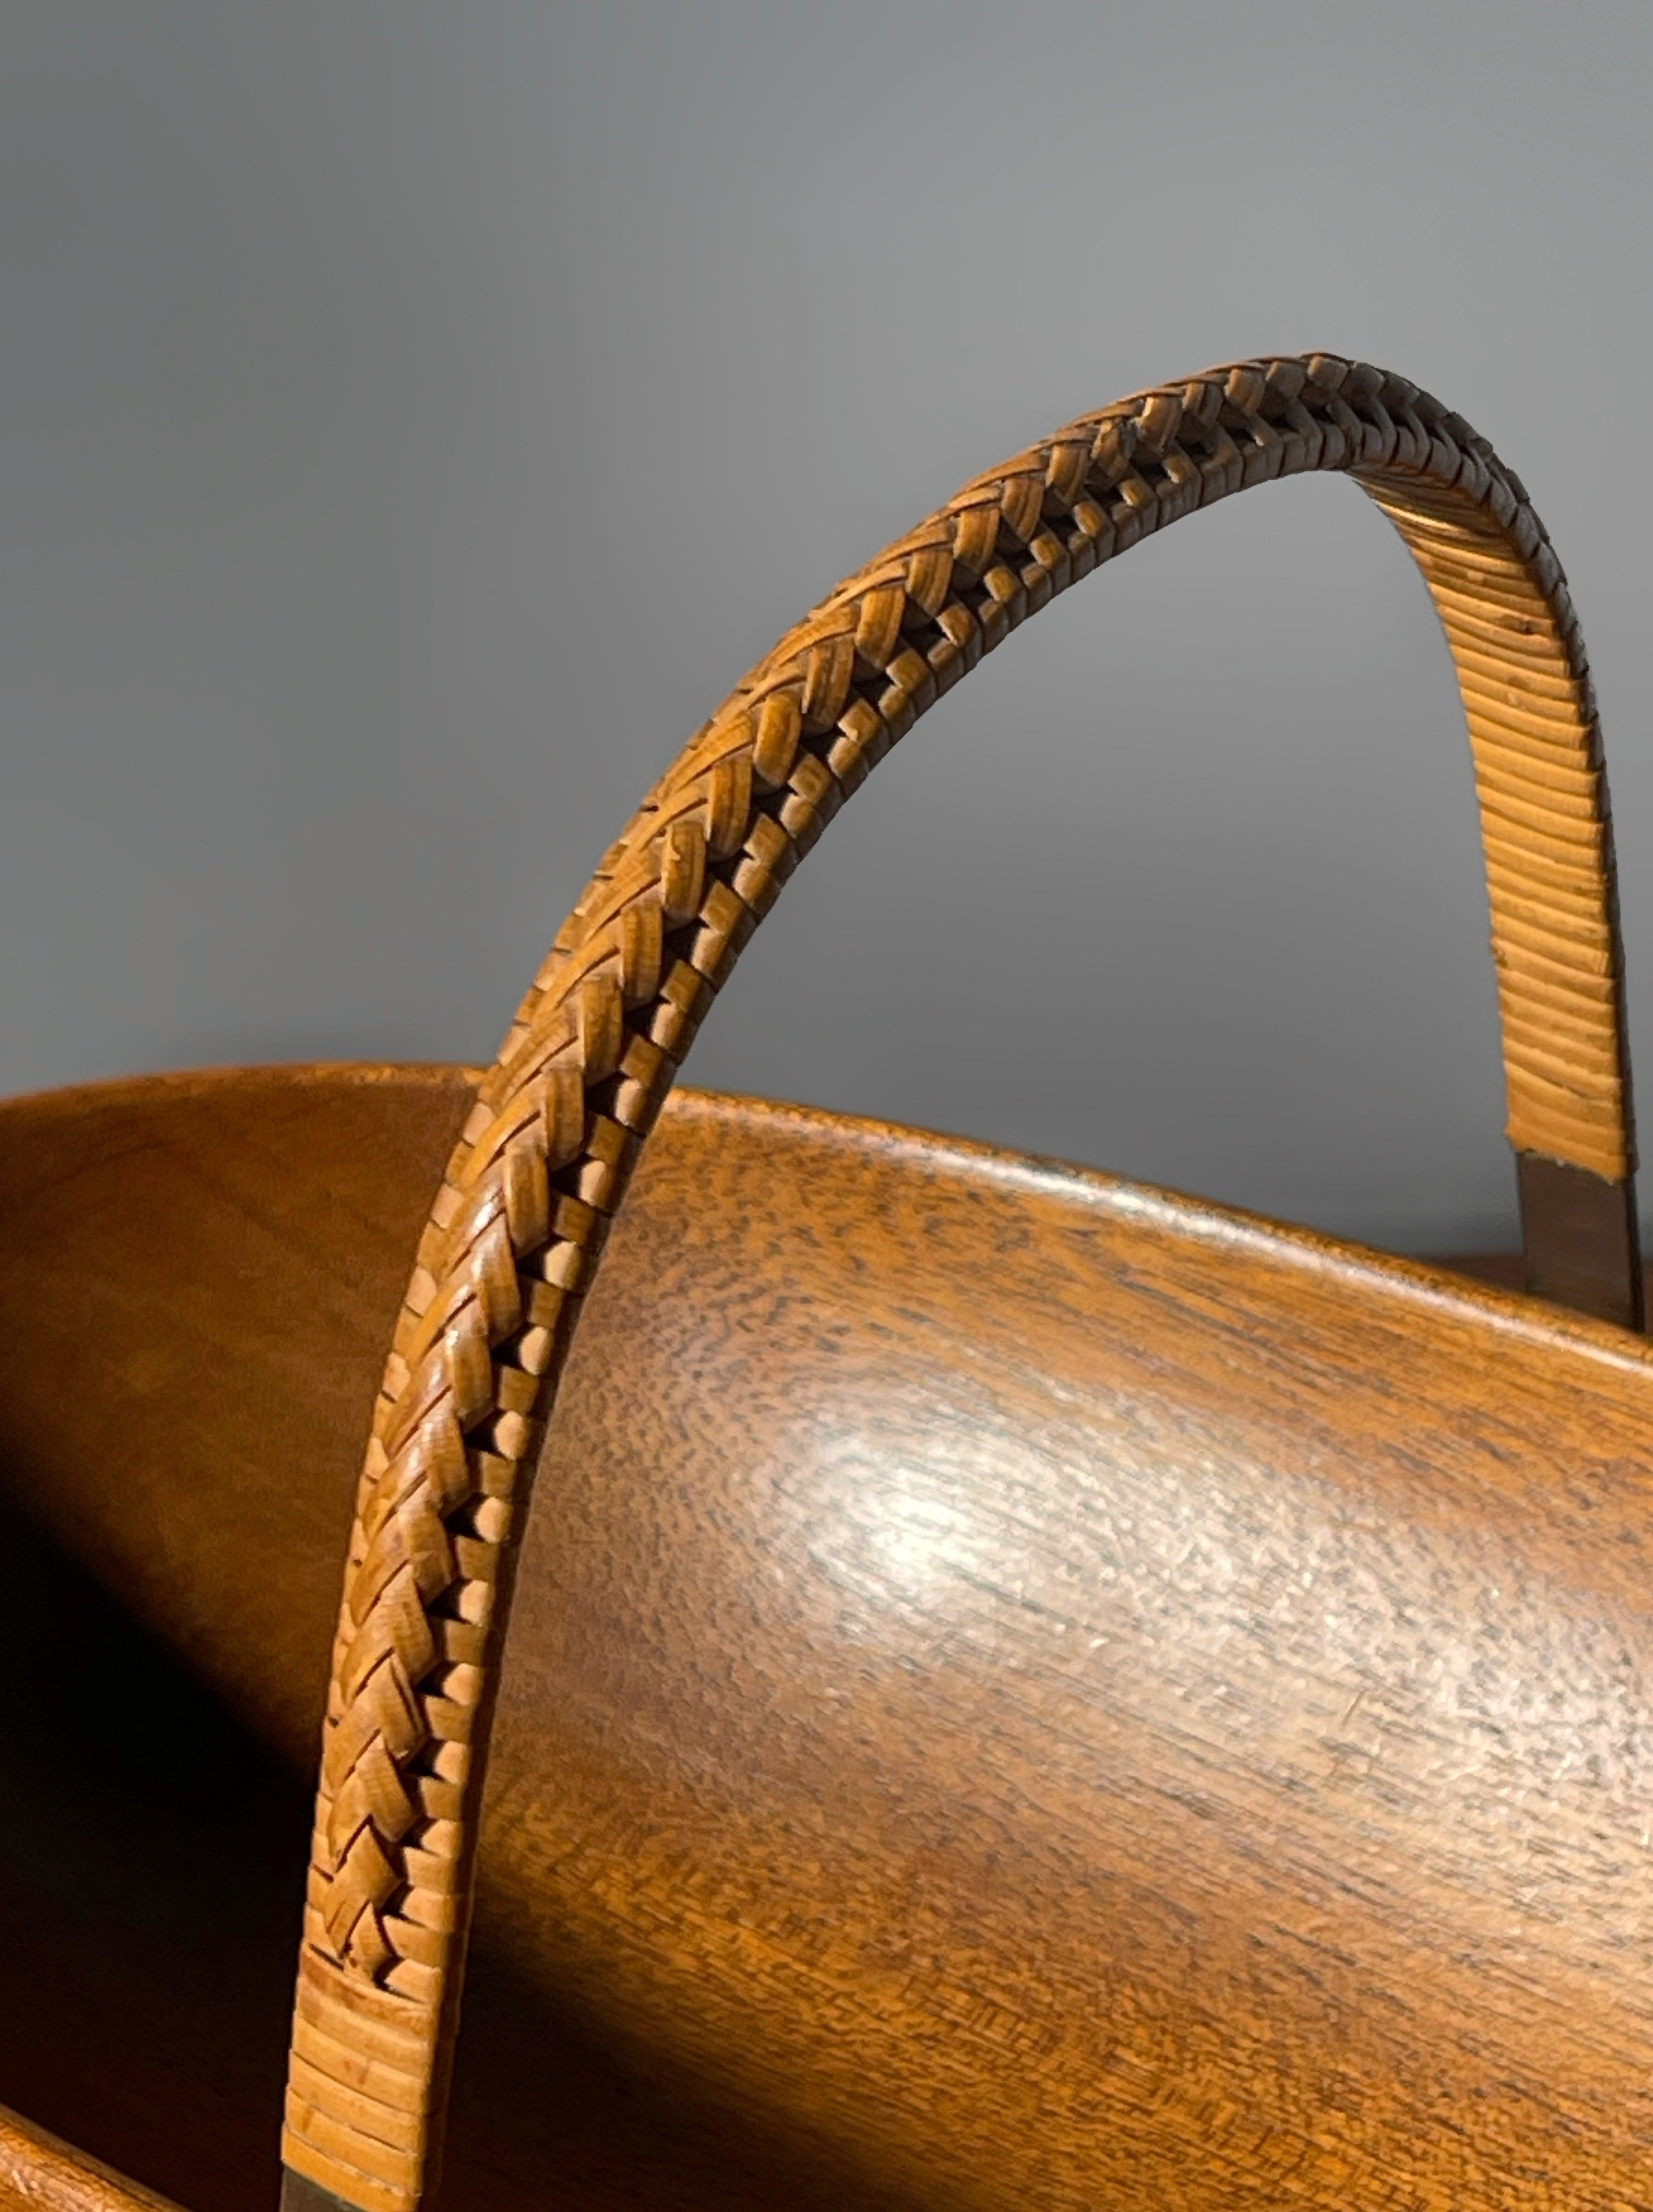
[1025,1691]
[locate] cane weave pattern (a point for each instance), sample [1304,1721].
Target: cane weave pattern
[520,1222]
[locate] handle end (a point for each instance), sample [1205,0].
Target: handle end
[301,2194]
[1580,1238]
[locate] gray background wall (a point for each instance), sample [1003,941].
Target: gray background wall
[417,417]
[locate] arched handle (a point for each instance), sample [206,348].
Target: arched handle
[519,1224]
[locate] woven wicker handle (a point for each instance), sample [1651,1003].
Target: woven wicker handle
[520,1221]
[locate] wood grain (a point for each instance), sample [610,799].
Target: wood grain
[195,1264]
[38,2173]
[197,1275]
[1024,1691]
[1038,1694]
[1083,1737]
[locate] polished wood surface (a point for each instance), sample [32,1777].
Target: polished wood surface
[1210,1760]
[197,1277]
[1025,1692]
[197,1265]
[38,2173]
[518,1226]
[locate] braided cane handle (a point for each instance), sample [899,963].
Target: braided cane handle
[520,1221]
